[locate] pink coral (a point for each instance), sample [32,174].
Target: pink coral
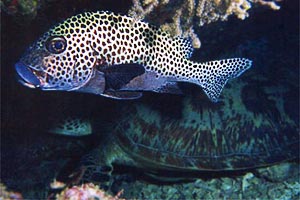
[86,191]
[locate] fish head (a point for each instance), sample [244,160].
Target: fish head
[62,59]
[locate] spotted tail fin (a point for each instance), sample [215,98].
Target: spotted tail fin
[213,75]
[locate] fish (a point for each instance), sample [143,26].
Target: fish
[71,126]
[119,57]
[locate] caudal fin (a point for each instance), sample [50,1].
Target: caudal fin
[213,75]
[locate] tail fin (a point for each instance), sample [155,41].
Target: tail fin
[214,75]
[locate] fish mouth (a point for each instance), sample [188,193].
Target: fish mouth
[27,76]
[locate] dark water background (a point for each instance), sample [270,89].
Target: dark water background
[270,38]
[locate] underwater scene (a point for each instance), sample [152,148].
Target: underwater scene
[150,99]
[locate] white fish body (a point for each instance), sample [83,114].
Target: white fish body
[118,57]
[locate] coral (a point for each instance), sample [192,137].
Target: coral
[279,172]
[246,181]
[246,186]
[57,184]
[86,191]
[4,194]
[20,7]
[291,190]
[179,17]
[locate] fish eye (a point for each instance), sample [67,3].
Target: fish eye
[56,44]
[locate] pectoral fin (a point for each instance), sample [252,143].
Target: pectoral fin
[125,95]
[96,84]
[149,81]
[117,76]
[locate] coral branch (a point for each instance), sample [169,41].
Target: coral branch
[178,17]
[270,4]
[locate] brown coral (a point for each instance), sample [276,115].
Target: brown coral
[178,17]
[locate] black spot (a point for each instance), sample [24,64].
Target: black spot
[120,18]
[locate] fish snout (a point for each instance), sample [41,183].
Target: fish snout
[27,76]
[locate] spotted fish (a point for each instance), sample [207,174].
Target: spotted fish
[119,57]
[72,126]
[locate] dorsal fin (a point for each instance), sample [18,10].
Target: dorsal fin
[185,46]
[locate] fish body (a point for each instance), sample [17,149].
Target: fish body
[119,57]
[72,126]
